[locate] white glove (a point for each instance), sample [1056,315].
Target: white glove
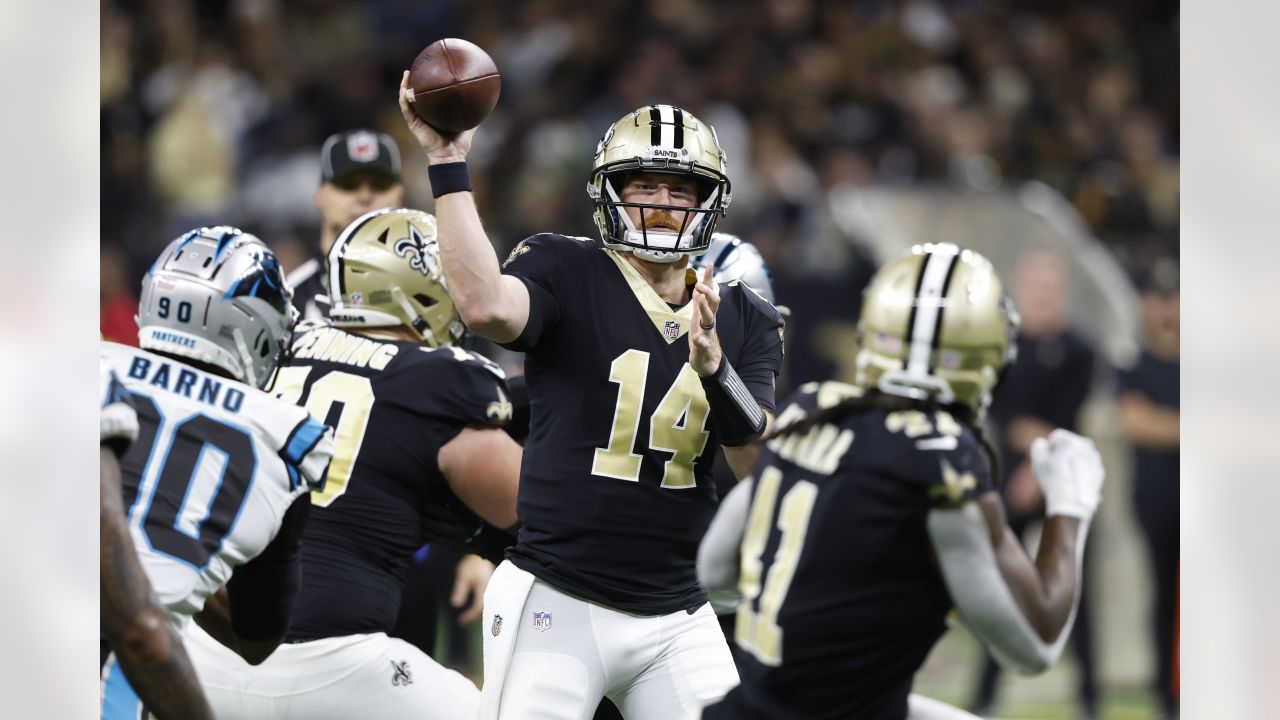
[1070,474]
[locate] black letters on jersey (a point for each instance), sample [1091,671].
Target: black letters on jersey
[394,405]
[615,486]
[842,597]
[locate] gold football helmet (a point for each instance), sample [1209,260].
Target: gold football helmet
[936,324]
[664,139]
[384,271]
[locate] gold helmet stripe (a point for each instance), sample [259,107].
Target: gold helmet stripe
[925,322]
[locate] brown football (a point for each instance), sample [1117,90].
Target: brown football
[453,85]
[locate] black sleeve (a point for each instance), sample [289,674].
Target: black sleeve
[262,591]
[518,428]
[952,477]
[451,385]
[536,262]
[761,358]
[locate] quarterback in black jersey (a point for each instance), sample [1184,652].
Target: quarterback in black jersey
[872,513]
[418,427]
[638,370]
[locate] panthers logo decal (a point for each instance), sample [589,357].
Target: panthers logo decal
[416,249]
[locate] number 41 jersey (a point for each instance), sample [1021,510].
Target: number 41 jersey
[214,468]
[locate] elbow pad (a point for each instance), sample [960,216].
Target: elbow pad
[735,414]
[963,545]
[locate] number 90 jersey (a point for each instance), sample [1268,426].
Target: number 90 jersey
[215,465]
[615,487]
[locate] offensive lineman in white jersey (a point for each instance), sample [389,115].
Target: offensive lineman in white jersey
[220,475]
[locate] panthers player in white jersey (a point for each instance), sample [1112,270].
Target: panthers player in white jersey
[149,650]
[220,475]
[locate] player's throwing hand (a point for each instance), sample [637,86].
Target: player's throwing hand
[439,149]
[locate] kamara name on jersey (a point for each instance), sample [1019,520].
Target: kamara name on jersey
[333,345]
[188,383]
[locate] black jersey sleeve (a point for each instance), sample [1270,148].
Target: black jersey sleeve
[454,387]
[761,358]
[954,466]
[539,263]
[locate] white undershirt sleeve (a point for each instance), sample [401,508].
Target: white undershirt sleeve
[962,542]
[718,556]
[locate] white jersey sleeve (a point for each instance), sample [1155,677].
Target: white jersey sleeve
[215,466]
[117,421]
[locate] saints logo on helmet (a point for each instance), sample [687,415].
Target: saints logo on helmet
[659,139]
[384,271]
[936,324]
[218,296]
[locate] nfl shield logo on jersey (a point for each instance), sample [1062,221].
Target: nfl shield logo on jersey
[496,627]
[671,329]
[541,620]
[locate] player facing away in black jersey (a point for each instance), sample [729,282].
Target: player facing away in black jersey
[871,513]
[637,370]
[418,426]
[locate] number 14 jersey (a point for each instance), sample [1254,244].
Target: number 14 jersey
[615,486]
[214,468]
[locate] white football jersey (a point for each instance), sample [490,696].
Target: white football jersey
[215,465]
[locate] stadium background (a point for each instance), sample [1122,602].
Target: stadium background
[852,129]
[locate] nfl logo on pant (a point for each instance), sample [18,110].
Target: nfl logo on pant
[541,620]
[496,627]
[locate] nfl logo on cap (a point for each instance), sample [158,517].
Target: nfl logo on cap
[671,329]
[541,620]
[362,146]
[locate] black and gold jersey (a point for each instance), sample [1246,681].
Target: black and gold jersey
[394,404]
[842,598]
[615,487]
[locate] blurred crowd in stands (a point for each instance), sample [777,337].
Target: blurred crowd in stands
[214,110]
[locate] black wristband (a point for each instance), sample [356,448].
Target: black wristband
[735,414]
[448,178]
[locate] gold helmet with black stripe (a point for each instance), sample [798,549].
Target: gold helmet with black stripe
[384,271]
[659,139]
[936,324]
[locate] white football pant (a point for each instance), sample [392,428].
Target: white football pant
[358,676]
[552,656]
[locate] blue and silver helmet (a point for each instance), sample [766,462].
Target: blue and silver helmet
[218,296]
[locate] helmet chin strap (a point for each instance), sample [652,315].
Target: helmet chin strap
[246,360]
[420,324]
